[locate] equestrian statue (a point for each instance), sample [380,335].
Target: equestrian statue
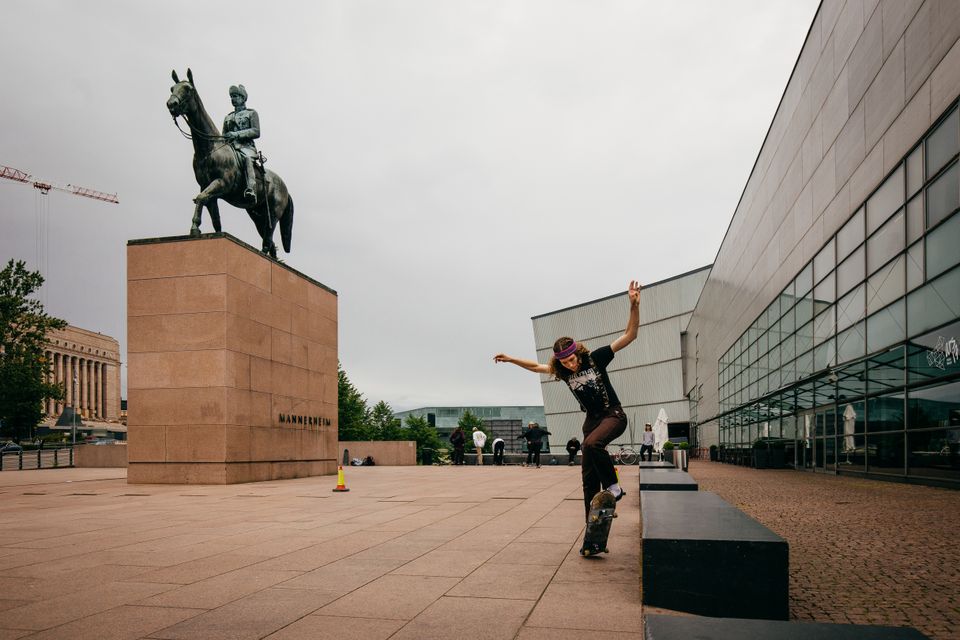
[228,167]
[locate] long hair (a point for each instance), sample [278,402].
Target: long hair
[559,371]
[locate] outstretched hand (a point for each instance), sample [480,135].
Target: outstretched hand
[633,291]
[501,357]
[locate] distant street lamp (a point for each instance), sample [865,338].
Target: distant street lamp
[74,429]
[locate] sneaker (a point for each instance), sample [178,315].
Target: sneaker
[621,494]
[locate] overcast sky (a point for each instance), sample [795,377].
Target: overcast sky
[457,167]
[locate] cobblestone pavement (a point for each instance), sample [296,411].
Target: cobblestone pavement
[861,551]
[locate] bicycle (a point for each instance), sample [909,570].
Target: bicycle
[625,455]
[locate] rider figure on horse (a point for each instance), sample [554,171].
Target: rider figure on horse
[241,128]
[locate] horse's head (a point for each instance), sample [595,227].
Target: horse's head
[183,95]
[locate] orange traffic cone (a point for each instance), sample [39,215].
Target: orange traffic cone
[341,486]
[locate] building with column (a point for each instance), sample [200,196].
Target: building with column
[830,319]
[647,375]
[87,364]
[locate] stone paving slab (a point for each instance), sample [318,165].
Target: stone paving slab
[409,552]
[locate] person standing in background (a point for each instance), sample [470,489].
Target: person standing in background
[534,437]
[479,440]
[573,446]
[648,442]
[498,446]
[458,440]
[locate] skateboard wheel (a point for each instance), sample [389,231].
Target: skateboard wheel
[584,552]
[606,550]
[594,518]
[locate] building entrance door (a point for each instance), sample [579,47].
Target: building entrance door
[816,439]
[804,447]
[825,425]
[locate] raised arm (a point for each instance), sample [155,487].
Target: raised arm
[630,334]
[529,365]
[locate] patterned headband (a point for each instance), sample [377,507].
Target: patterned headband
[566,353]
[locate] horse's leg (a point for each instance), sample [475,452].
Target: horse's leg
[213,206]
[259,217]
[214,190]
[266,220]
[268,244]
[195,227]
[271,202]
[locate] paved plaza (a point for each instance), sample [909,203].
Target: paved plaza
[409,552]
[438,552]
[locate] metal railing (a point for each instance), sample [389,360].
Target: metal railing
[37,459]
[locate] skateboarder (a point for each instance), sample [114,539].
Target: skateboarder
[585,373]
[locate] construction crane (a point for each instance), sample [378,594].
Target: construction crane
[44,187]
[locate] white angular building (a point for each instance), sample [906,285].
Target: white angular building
[647,375]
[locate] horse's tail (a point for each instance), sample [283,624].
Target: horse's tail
[286,225]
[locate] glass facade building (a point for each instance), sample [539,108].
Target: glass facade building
[446,418]
[855,363]
[830,322]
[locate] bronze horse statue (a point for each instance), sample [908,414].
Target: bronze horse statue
[219,173]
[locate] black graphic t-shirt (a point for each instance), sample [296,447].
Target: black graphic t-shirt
[591,384]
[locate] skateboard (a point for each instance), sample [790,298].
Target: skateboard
[602,512]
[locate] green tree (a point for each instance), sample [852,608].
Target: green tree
[384,425]
[426,437]
[468,420]
[23,368]
[353,416]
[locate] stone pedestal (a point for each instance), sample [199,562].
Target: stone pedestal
[232,365]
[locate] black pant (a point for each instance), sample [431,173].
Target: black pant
[573,454]
[498,453]
[458,455]
[648,449]
[533,452]
[596,466]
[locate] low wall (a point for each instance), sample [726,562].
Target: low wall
[100,456]
[390,453]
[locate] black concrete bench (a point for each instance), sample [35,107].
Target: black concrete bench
[656,464]
[669,480]
[701,555]
[661,627]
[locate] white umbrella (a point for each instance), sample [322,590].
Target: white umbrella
[660,430]
[849,422]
